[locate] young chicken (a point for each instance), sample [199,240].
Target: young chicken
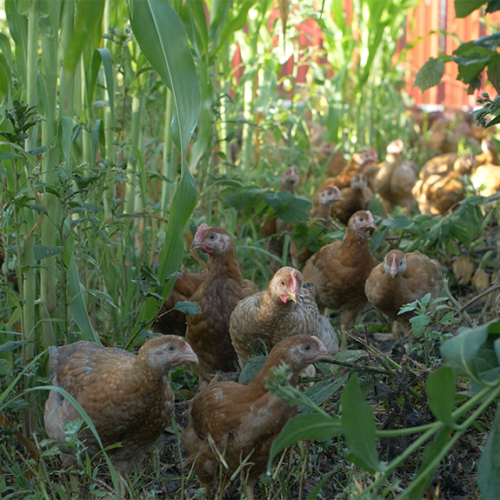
[487,176]
[356,197]
[217,296]
[127,396]
[339,270]
[439,193]
[242,421]
[173,322]
[324,198]
[328,151]
[361,162]
[400,279]
[283,309]
[394,180]
[489,154]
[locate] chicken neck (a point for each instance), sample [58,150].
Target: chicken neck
[224,266]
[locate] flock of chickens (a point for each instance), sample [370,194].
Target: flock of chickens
[231,425]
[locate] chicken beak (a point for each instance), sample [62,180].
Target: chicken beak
[292,296]
[196,244]
[190,356]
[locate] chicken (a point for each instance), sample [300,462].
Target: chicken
[126,396]
[217,296]
[283,309]
[438,193]
[439,165]
[339,270]
[237,421]
[169,320]
[361,162]
[324,198]
[394,181]
[356,197]
[328,151]
[489,155]
[487,176]
[400,279]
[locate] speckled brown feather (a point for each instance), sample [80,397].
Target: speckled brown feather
[266,317]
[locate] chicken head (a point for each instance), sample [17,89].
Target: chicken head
[395,263]
[290,178]
[211,240]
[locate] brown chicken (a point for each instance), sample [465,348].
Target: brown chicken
[127,396]
[339,270]
[331,153]
[324,198]
[241,421]
[394,180]
[439,165]
[170,321]
[217,296]
[283,309]
[400,279]
[438,193]
[356,198]
[361,162]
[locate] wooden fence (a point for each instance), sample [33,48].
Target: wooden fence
[429,15]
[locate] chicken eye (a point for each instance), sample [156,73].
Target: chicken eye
[361,219]
[211,237]
[282,282]
[170,348]
[307,347]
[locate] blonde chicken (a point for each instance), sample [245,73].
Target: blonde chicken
[240,422]
[394,180]
[400,279]
[217,296]
[440,192]
[339,270]
[285,308]
[355,197]
[126,396]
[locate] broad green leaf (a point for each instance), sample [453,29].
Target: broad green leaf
[43,252]
[358,425]
[11,345]
[190,308]
[441,393]
[488,467]
[429,74]
[465,7]
[398,222]
[6,367]
[421,480]
[472,353]
[321,391]
[76,305]
[162,39]
[103,56]
[251,369]
[88,17]
[315,426]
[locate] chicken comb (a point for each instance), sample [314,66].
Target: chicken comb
[200,232]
